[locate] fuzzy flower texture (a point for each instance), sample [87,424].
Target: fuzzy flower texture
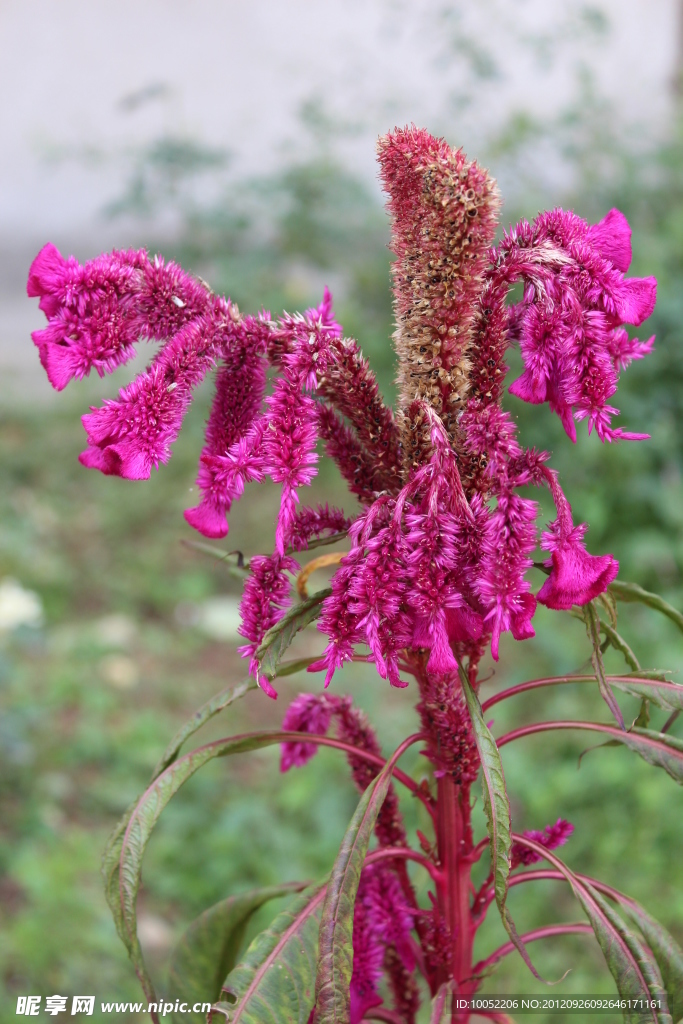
[442,542]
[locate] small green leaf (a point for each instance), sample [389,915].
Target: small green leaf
[208,949]
[335,958]
[320,542]
[497,809]
[658,749]
[441,1005]
[274,982]
[632,592]
[668,696]
[593,624]
[277,640]
[619,644]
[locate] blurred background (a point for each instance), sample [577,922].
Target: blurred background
[239,139]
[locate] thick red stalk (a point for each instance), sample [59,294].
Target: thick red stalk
[454,845]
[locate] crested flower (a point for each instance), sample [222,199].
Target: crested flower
[551,837]
[98,312]
[569,322]
[576,576]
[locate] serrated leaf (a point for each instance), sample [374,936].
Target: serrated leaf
[335,957]
[208,949]
[497,810]
[274,982]
[593,624]
[278,639]
[631,592]
[124,876]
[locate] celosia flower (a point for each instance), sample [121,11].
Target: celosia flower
[381,921]
[265,598]
[576,577]
[569,322]
[439,555]
[551,837]
[309,712]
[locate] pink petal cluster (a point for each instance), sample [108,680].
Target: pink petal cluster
[570,321]
[551,837]
[265,599]
[314,713]
[381,922]
[576,577]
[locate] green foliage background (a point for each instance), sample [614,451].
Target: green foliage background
[87,706]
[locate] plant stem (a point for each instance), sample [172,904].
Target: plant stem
[454,844]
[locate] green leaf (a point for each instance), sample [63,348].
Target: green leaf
[636,975]
[658,749]
[593,624]
[206,712]
[217,704]
[320,542]
[497,809]
[208,949]
[441,1005]
[632,592]
[239,569]
[124,875]
[666,951]
[668,696]
[277,640]
[619,644]
[275,979]
[335,958]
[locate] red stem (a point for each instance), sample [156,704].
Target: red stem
[404,853]
[574,928]
[349,748]
[529,730]
[534,684]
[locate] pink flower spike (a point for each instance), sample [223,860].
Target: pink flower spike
[577,577]
[551,837]
[309,712]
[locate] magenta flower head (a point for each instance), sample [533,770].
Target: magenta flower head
[441,549]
